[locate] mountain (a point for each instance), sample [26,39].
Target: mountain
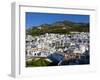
[60,27]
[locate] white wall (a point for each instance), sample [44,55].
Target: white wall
[5,40]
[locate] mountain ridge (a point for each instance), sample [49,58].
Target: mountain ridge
[61,27]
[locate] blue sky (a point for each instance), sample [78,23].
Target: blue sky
[36,19]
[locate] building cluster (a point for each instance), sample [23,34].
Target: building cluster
[50,43]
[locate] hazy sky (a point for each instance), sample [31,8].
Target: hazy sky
[36,19]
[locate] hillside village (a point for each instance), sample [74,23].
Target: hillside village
[59,48]
[47,44]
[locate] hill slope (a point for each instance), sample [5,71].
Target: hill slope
[60,27]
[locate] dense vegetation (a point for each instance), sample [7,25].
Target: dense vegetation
[61,27]
[37,63]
